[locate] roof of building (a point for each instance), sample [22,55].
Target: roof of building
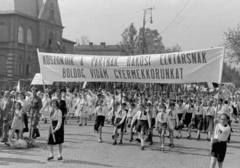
[68,41]
[38,9]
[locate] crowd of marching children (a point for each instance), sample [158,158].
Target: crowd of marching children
[141,113]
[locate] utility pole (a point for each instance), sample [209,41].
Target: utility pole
[144,23]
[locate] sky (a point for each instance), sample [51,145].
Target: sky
[192,24]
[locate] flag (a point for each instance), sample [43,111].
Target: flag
[84,85]
[18,86]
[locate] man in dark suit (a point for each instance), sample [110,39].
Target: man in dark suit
[6,106]
[36,105]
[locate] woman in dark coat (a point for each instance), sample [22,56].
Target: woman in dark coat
[56,117]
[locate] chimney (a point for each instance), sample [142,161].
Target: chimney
[103,44]
[90,44]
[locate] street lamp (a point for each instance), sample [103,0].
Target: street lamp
[144,22]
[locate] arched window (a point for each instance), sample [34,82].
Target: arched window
[29,37]
[20,35]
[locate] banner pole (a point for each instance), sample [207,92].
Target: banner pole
[121,94]
[51,126]
[219,90]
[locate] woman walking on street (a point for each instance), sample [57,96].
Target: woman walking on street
[56,117]
[17,123]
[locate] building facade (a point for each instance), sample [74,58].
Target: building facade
[101,49]
[25,26]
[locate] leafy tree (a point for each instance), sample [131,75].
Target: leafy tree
[175,48]
[84,40]
[230,74]
[128,44]
[232,44]
[150,43]
[133,42]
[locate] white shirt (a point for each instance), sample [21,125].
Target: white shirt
[101,111]
[163,117]
[222,133]
[132,112]
[121,113]
[141,116]
[57,116]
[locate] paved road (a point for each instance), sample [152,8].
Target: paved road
[81,149]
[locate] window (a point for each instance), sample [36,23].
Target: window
[3,33]
[50,39]
[20,35]
[20,69]
[28,69]
[29,37]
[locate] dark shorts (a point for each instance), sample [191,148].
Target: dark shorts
[162,127]
[219,150]
[100,121]
[122,125]
[188,119]
[198,122]
[180,125]
[142,125]
[153,120]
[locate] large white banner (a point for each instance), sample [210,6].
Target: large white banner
[180,67]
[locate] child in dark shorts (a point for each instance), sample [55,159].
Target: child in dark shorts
[219,141]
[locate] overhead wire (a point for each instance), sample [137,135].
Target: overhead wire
[175,17]
[183,16]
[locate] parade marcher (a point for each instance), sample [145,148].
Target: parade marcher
[162,122]
[25,108]
[181,115]
[152,111]
[210,119]
[17,123]
[131,113]
[189,107]
[36,106]
[198,115]
[120,122]
[101,113]
[219,141]
[143,123]
[83,110]
[6,107]
[174,121]
[56,117]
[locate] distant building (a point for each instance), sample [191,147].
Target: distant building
[26,25]
[101,49]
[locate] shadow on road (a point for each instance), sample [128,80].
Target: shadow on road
[86,163]
[19,160]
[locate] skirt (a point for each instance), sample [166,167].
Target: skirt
[59,135]
[17,124]
[209,123]
[198,122]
